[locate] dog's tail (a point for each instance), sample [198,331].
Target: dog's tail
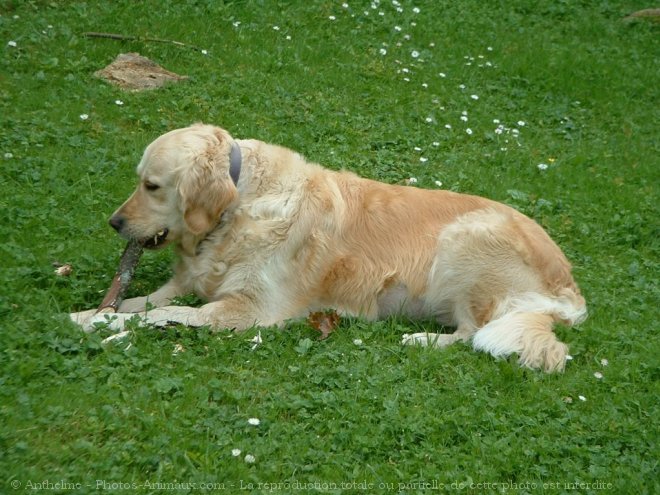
[524,325]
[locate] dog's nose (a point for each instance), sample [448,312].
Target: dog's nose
[116,222]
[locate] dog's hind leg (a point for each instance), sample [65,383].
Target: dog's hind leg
[526,325]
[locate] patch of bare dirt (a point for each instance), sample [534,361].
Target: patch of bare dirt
[133,72]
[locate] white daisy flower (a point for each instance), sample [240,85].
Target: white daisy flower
[447,126]
[474,97]
[236,23]
[436,143]
[462,86]
[542,166]
[250,459]
[344,5]
[442,74]
[84,116]
[423,159]
[425,86]
[598,375]
[12,44]
[604,362]
[397,28]
[412,180]
[254,421]
[236,452]
[205,52]
[490,48]
[429,120]
[383,51]
[332,17]
[468,131]
[119,102]
[438,183]
[464,118]
[582,398]
[9,155]
[276,28]
[357,341]
[417,148]
[416,10]
[521,123]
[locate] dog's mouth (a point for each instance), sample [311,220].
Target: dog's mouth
[157,240]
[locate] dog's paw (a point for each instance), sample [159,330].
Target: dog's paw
[91,320]
[112,321]
[82,318]
[414,339]
[425,339]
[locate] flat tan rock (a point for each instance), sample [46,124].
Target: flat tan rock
[133,72]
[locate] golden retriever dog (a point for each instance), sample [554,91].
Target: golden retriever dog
[265,236]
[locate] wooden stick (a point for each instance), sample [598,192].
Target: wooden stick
[125,37]
[122,279]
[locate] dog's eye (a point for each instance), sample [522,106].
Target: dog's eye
[150,186]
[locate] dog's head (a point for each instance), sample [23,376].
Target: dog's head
[185,185]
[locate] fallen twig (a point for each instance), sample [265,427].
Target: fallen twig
[652,15]
[124,37]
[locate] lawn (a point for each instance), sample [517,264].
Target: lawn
[550,106]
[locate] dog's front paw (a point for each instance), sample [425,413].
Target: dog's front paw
[408,339]
[112,321]
[82,318]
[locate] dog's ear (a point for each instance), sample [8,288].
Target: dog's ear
[205,187]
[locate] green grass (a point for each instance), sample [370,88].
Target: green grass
[584,83]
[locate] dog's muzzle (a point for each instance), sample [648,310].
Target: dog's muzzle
[118,223]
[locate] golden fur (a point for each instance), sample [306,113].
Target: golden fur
[292,237]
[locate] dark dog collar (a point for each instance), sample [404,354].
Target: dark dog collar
[235,162]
